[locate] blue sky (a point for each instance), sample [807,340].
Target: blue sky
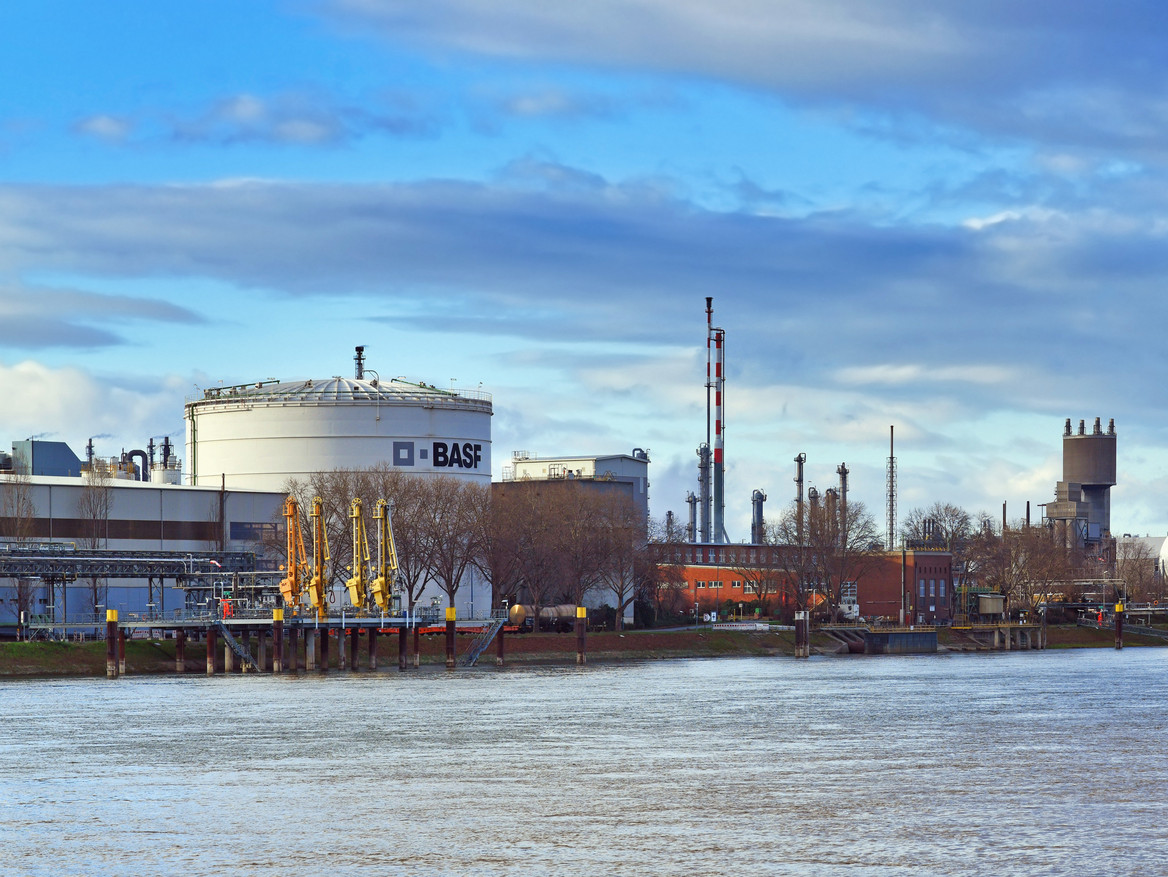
[945,216]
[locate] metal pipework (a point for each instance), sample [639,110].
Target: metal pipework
[356,584]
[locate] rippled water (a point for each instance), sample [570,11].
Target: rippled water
[1019,763]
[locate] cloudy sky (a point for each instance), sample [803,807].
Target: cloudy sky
[944,216]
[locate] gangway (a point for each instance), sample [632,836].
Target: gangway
[485,637]
[236,646]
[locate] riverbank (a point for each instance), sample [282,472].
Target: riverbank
[144,657]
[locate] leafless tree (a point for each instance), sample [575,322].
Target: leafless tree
[627,568]
[17,518]
[1137,566]
[94,506]
[452,511]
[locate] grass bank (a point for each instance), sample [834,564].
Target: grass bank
[143,657]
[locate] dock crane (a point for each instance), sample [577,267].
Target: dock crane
[320,560]
[382,587]
[292,584]
[356,584]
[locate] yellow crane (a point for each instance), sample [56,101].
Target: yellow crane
[382,586]
[356,584]
[291,584]
[320,560]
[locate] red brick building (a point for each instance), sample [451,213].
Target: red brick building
[710,575]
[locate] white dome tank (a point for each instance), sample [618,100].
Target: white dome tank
[261,435]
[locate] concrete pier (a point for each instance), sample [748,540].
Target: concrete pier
[180,651]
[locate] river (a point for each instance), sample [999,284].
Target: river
[1011,763]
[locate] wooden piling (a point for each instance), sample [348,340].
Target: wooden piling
[402,652]
[499,648]
[354,632]
[121,649]
[111,644]
[324,650]
[373,648]
[294,649]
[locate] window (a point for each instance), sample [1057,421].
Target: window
[699,584]
[932,587]
[921,588]
[941,593]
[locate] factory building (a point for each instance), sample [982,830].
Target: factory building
[625,473]
[122,510]
[919,581]
[262,435]
[1081,512]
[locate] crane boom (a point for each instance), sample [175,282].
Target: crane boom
[382,586]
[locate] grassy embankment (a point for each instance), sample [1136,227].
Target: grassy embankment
[150,656]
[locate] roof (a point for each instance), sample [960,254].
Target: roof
[340,390]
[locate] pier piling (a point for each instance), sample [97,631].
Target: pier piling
[111,644]
[581,633]
[451,613]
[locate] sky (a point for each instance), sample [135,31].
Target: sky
[944,217]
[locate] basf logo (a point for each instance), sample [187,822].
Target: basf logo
[440,455]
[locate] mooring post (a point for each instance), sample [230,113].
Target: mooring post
[354,632]
[211,637]
[451,613]
[373,648]
[1119,625]
[228,658]
[499,648]
[180,651]
[294,649]
[581,633]
[111,644]
[246,642]
[324,650]
[417,647]
[402,640]
[342,646]
[277,640]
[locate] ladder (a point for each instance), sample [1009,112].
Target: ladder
[484,639]
[236,646]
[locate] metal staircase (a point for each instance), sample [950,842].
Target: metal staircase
[237,647]
[485,637]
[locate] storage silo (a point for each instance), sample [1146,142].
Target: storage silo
[261,435]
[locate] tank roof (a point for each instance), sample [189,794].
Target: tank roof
[339,389]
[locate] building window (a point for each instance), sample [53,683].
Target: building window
[921,588]
[941,592]
[932,587]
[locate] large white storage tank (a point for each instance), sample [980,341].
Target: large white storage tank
[261,435]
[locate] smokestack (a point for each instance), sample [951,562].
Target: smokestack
[757,524]
[716,384]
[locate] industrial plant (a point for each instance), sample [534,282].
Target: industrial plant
[140,534]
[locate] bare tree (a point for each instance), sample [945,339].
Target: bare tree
[453,510]
[94,506]
[17,519]
[627,568]
[498,540]
[1137,565]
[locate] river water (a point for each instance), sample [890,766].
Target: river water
[1015,763]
